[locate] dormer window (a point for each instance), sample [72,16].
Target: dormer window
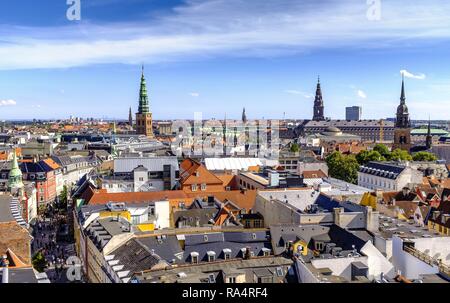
[227,254]
[194,257]
[211,256]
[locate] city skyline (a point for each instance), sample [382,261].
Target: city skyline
[199,61]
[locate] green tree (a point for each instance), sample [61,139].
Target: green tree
[39,262]
[383,150]
[295,148]
[343,167]
[424,156]
[63,198]
[400,154]
[366,156]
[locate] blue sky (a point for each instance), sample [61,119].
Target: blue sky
[218,56]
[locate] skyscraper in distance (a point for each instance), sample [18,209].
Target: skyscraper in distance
[353,113]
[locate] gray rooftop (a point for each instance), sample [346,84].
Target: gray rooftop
[156,164]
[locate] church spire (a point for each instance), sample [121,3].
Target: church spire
[244,116]
[15,174]
[143,97]
[318,103]
[402,110]
[402,96]
[429,139]
[130,117]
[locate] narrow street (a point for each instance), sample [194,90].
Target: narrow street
[53,239]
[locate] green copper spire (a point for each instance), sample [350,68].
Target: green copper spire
[15,174]
[143,97]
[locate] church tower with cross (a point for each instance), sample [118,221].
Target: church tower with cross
[318,104]
[144,122]
[402,131]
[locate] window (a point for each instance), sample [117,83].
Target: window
[227,254]
[265,280]
[211,278]
[319,246]
[203,187]
[194,187]
[279,271]
[194,257]
[135,220]
[205,238]
[231,279]
[211,256]
[141,179]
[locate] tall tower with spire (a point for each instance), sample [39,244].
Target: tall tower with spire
[429,139]
[402,132]
[144,123]
[130,118]
[15,182]
[244,116]
[318,104]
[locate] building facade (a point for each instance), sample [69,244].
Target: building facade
[353,113]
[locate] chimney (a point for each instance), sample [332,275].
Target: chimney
[372,219]
[337,215]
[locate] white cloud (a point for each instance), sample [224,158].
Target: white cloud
[293,92]
[407,74]
[8,102]
[361,94]
[194,94]
[298,92]
[228,28]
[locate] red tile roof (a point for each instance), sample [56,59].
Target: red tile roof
[102,197]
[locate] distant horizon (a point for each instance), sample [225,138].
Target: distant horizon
[219,56]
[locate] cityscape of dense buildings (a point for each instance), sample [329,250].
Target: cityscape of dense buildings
[134,203]
[132,152]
